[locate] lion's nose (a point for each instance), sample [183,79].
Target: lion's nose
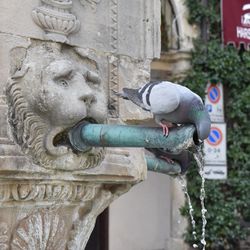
[88,99]
[87,94]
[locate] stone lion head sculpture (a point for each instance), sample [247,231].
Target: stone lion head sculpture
[50,89]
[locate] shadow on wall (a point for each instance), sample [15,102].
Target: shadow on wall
[99,237]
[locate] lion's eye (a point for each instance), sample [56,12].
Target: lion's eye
[63,82]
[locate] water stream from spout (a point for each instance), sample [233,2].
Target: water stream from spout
[198,156]
[190,207]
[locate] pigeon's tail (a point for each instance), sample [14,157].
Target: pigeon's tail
[132,95]
[122,95]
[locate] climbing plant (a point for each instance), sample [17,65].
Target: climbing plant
[227,201]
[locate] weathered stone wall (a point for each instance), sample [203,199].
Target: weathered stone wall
[61,61]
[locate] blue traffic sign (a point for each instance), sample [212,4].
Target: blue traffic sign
[213,94]
[215,136]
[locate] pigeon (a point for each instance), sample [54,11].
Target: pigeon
[184,158]
[171,104]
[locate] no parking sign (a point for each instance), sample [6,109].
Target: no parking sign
[215,137]
[215,145]
[214,93]
[215,152]
[214,101]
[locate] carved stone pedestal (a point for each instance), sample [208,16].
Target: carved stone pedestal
[52,215]
[61,62]
[57,209]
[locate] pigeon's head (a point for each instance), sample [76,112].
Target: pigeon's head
[199,116]
[203,124]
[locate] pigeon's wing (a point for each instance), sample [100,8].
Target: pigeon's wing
[134,96]
[164,98]
[157,97]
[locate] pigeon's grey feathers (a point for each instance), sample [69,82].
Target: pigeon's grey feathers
[169,94]
[172,103]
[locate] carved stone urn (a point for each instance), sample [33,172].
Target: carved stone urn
[61,62]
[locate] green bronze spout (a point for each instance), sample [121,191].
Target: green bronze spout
[85,135]
[160,166]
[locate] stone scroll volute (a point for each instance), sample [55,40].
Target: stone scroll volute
[61,62]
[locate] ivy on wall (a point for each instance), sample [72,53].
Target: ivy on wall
[227,201]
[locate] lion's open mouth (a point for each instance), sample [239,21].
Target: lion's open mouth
[62,139]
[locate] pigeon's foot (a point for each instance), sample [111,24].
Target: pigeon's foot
[165,127]
[168,160]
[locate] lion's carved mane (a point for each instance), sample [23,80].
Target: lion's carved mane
[29,131]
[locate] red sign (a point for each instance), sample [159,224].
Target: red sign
[236,22]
